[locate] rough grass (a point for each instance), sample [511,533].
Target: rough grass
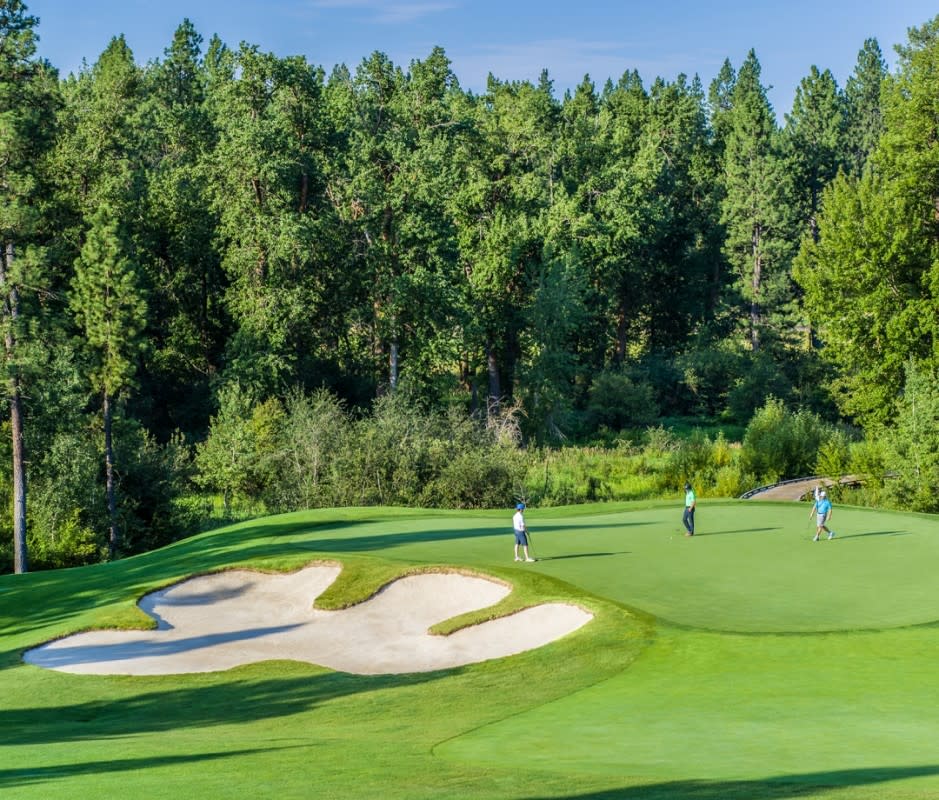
[773,667]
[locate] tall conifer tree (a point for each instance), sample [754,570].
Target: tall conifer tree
[109,305]
[755,209]
[863,100]
[27,122]
[815,138]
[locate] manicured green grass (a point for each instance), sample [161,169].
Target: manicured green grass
[747,662]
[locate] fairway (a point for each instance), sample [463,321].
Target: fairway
[745,662]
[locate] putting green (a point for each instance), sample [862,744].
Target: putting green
[752,567]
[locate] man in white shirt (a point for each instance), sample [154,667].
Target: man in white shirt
[521,532]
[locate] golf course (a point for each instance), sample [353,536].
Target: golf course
[745,662]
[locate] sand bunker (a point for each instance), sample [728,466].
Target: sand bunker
[216,622]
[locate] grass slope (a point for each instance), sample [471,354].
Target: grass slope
[774,667]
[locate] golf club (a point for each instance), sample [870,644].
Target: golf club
[531,544]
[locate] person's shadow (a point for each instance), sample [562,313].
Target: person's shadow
[583,555]
[739,530]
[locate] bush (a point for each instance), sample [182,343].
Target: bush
[618,401]
[710,465]
[780,444]
[303,468]
[152,478]
[72,544]
[480,478]
[912,444]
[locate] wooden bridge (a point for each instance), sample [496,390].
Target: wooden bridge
[797,488]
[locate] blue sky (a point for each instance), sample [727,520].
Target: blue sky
[513,39]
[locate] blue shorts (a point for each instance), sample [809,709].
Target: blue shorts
[521,538]
[820,520]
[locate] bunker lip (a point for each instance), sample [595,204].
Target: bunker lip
[219,621]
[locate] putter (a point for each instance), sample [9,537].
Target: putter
[531,544]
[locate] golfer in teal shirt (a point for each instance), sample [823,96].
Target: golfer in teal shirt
[688,517]
[822,511]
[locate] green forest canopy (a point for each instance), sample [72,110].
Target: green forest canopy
[233,223]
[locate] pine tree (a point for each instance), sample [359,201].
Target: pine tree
[187,321]
[110,308]
[863,100]
[756,208]
[500,212]
[28,125]
[815,142]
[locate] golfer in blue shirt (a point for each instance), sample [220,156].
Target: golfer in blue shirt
[822,511]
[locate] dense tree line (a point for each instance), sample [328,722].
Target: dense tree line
[193,250]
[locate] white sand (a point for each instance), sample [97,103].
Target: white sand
[215,622]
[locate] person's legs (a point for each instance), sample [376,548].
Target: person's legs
[525,547]
[688,520]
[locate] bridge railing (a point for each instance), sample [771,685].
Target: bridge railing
[758,489]
[844,480]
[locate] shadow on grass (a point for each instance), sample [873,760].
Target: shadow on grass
[29,776]
[228,703]
[67,592]
[870,533]
[738,530]
[582,555]
[776,788]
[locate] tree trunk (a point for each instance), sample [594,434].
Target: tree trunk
[20,554]
[393,365]
[756,282]
[11,310]
[495,388]
[113,532]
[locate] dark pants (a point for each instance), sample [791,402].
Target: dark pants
[688,519]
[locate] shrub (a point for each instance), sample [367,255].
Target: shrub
[780,444]
[912,444]
[72,544]
[618,401]
[479,478]
[311,435]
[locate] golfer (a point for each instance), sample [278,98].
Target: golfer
[688,517]
[822,512]
[521,532]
